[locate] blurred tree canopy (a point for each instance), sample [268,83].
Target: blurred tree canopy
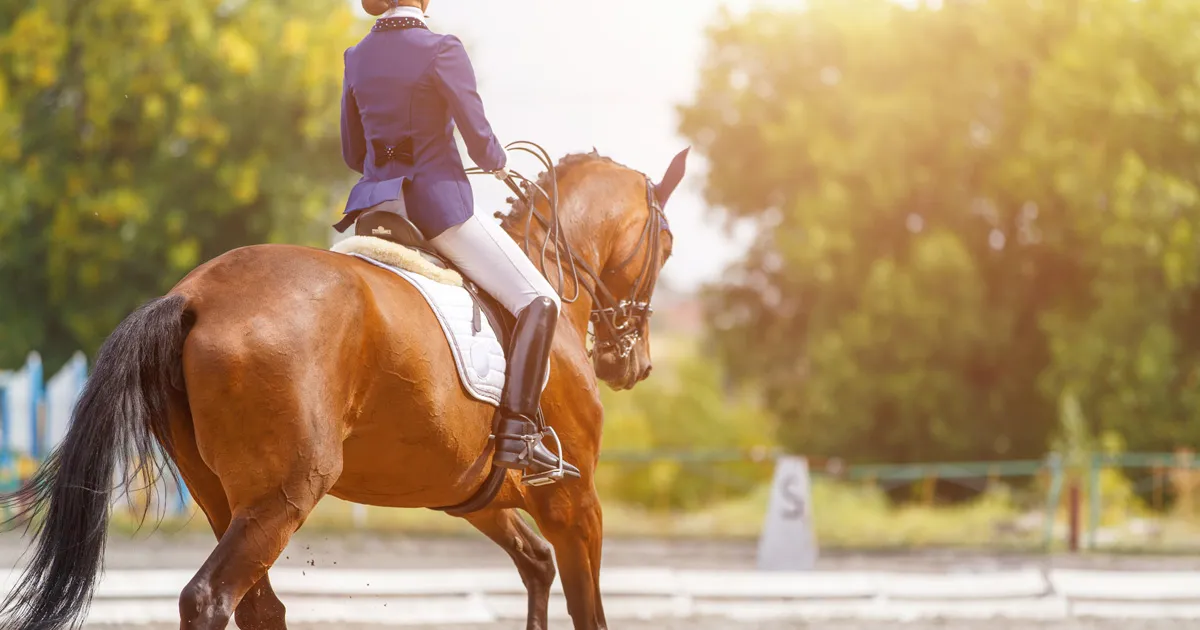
[140,138]
[964,209]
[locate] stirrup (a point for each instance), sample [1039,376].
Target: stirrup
[550,476]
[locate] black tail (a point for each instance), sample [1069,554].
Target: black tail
[117,421]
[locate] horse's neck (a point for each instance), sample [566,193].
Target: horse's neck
[573,284]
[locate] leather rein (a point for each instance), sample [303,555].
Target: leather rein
[622,321]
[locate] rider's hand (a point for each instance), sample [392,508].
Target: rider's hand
[501,174]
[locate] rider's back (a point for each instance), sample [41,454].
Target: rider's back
[397,95]
[405,91]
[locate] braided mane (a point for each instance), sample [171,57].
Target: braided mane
[515,219]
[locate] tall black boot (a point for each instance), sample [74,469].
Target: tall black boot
[519,430]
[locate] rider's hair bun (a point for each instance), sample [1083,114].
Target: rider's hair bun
[376,7]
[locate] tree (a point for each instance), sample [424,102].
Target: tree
[139,138]
[961,210]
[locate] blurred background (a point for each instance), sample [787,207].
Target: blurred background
[949,250]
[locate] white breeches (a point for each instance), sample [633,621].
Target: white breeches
[487,255]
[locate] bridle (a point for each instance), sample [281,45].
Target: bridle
[617,323]
[624,320]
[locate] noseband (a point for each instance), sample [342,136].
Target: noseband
[618,324]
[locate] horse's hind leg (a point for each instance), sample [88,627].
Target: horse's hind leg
[257,533]
[260,608]
[274,471]
[532,555]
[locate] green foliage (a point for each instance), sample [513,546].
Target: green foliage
[140,138]
[687,410]
[962,212]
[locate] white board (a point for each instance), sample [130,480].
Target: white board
[22,391]
[789,541]
[62,390]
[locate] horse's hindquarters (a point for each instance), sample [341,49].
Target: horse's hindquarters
[304,360]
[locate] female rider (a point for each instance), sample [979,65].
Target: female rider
[405,90]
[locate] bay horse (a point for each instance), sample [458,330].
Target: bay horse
[274,375]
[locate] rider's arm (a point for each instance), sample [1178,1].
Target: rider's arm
[354,141]
[456,82]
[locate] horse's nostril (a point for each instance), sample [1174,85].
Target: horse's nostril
[646,372]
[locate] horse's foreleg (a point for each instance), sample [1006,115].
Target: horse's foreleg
[532,555]
[570,517]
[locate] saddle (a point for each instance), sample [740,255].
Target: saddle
[399,230]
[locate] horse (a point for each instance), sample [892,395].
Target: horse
[274,375]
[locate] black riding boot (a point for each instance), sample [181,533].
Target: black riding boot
[519,431]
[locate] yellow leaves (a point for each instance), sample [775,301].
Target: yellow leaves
[242,180]
[245,185]
[10,149]
[295,37]
[154,108]
[238,54]
[1180,260]
[37,43]
[118,205]
[191,97]
[184,254]
[157,30]
[196,121]
[206,158]
[192,119]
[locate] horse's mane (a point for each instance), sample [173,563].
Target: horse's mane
[518,212]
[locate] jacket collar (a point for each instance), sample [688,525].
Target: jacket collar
[397,24]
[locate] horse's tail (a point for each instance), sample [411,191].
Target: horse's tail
[117,421]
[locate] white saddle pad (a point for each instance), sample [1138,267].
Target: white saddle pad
[478,355]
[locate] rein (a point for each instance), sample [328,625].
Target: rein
[622,320]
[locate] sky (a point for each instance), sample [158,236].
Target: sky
[573,74]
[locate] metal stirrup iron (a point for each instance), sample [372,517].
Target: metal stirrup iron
[550,476]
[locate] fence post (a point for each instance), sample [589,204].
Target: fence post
[1054,463]
[4,422]
[185,497]
[1157,497]
[928,488]
[1095,465]
[1073,515]
[37,392]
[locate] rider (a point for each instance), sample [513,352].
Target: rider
[405,90]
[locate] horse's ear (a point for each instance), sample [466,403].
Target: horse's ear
[671,178]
